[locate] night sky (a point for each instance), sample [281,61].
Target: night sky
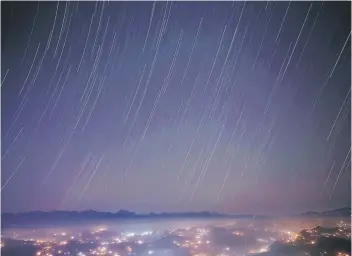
[235,107]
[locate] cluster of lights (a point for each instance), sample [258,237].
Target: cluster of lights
[342,254]
[48,247]
[197,242]
[292,237]
[314,235]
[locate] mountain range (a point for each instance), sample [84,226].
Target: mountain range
[341,212]
[9,219]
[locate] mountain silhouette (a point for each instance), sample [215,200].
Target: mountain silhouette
[24,218]
[341,212]
[10,219]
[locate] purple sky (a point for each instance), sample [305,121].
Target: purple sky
[240,107]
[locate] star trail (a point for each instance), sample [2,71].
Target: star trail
[234,107]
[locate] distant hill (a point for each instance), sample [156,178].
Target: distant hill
[27,218]
[341,212]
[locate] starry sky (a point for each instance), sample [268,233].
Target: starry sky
[234,107]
